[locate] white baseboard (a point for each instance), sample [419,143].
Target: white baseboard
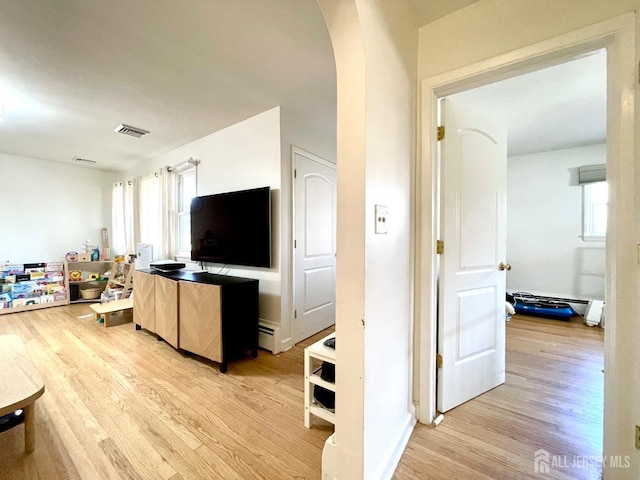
[388,465]
[568,296]
[287,344]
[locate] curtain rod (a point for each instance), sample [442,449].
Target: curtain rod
[191,161]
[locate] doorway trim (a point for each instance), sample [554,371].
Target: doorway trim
[617,36]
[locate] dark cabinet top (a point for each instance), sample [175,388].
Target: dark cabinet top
[207,278]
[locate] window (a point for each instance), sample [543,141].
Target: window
[186,191]
[594,211]
[144,211]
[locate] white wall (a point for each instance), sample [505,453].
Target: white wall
[50,208]
[544,223]
[391,51]
[375,46]
[491,28]
[343,458]
[244,155]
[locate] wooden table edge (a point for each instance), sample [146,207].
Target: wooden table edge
[22,403]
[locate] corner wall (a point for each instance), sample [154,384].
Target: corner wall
[375,45]
[50,208]
[544,224]
[391,40]
[242,156]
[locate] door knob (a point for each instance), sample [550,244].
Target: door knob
[504,266]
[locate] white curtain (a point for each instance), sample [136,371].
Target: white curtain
[118,242]
[149,205]
[143,211]
[168,213]
[131,221]
[124,226]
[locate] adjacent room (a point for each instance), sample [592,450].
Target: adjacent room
[553,252]
[162,188]
[229,245]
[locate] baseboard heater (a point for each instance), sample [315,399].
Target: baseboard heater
[266,330]
[269,336]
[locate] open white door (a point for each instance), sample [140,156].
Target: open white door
[314,245]
[471,319]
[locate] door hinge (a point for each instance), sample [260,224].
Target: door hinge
[295,174]
[440,132]
[295,314]
[438,360]
[295,244]
[439,247]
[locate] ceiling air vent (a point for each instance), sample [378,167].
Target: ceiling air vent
[85,161]
[131,131]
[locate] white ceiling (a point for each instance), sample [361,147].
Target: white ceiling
[559,107]
[71,71]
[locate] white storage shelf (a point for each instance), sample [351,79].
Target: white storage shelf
[317,352]
[46,278]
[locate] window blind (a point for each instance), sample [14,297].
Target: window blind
[592,174]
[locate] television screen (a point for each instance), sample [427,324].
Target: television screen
[232,228]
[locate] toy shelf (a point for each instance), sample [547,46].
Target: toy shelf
[78,277]
[32,286]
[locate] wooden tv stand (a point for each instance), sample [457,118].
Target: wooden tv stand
[214,316]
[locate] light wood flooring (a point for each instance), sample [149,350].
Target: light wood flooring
[552,400]
[121,405]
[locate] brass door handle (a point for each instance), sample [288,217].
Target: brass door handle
[504,266]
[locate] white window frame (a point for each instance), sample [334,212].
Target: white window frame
[589,206]
[188,171]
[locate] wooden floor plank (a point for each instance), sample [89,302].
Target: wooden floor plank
[552,400]
[121,405]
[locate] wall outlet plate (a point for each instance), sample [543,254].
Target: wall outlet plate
[381,218]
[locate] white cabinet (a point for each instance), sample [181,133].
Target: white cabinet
[314,355]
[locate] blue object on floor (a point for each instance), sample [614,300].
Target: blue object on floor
[561,311]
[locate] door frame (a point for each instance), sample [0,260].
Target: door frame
[617,36]
[315,158]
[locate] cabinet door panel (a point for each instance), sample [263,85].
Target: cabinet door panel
[144,311]
[200,320]
[167,310]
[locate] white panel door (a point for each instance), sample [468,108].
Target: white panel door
[471,319]
[315,245]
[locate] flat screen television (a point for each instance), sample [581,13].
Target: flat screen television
[232,228]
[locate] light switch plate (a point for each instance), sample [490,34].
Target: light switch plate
[381,218]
